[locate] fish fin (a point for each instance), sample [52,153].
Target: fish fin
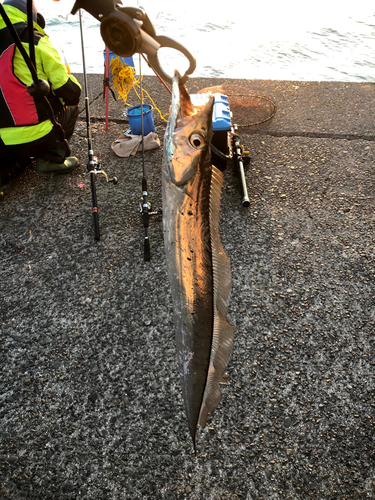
[223,332]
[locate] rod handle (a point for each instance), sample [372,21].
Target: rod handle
[237,153]
[94,206]
[96,224]
[147,251]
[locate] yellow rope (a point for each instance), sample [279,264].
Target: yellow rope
[124,79]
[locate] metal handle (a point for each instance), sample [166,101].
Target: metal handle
[237,153]
[170,43]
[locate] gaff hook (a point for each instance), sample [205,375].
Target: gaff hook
[128,30]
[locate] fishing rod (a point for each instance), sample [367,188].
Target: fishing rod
[145,203]
[94,168]
[236,151]
[240,162]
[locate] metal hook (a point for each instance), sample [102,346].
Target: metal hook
[170,43]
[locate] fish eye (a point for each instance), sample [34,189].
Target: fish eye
[197,140]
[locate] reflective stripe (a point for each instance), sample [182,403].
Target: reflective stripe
[12,136]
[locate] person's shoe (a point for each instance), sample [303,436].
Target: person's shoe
[47,167]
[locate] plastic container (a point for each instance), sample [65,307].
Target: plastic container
[128,60]
[134,117]
[221,115]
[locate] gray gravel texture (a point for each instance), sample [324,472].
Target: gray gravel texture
[91,406]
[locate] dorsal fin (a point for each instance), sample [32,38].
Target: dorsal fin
[223,332]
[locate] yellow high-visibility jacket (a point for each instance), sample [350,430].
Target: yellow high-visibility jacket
[24,119]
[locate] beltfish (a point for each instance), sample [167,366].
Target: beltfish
[198,267]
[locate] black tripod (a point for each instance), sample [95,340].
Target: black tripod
[94,168]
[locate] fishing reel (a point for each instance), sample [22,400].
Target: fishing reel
[128,30]
[95,168]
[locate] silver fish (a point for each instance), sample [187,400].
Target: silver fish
[198,267]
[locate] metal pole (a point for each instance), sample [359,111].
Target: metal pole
[145,206]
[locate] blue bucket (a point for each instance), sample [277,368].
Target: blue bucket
[134,117]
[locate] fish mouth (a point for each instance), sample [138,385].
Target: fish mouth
[182,109]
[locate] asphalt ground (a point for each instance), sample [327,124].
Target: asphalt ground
[91,406]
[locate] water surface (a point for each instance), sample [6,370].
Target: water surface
[289,40]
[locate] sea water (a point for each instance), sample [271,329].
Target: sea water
[288,40]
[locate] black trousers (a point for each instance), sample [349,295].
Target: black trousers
[50,146]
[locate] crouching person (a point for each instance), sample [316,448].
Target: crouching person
[25,128]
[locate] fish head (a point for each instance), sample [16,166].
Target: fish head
[188,135]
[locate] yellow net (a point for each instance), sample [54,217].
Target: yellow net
[124,79]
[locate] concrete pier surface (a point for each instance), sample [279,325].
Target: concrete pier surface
[91,406]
